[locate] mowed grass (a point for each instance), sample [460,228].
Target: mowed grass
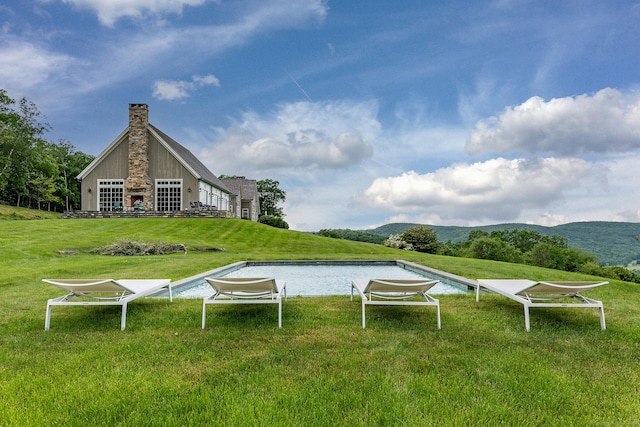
[321,368]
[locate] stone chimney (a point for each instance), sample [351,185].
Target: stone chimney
[138,187]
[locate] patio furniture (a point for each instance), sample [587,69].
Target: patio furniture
[544,294]
[394,292]
[104,292]
[233,290]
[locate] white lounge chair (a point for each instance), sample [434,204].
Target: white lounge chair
[538,294]
[104,292]
[394,292]
[235,290]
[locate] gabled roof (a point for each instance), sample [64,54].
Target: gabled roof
[188,160]
[182,154]
[247,189]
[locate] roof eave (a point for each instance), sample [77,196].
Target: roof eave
[103,154]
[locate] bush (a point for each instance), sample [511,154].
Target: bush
[273,221]
[618,272]
[593,269]
[394,241]
[131,248]
[423,239]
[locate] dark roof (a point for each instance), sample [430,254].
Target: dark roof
[191,160]
[245,188]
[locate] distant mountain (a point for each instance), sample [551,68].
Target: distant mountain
[613,243]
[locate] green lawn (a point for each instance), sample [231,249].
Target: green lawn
[321,368]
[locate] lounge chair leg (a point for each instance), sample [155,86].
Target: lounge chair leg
[123,322]
[204,313]
[280,314]
[438,314]
[602,323]
[526,318]
[363,321]
[47,319]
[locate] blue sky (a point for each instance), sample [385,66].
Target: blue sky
[367,112]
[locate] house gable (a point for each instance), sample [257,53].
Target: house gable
[141,157]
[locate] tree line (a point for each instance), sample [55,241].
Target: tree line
[34,172]
[513,245]
[516,246]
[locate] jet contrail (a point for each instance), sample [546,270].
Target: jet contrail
[300,87]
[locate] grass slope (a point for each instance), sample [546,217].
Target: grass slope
[321,368]
[13,213]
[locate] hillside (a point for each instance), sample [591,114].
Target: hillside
[613,243]
[14,213]
[164,369]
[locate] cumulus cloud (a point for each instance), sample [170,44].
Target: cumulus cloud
[327,135]
[498,189]
[180,89]
[320,150]
[109,11]
[605,122]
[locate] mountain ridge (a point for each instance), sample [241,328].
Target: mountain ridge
[613,243]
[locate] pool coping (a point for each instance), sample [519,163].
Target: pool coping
[460,281]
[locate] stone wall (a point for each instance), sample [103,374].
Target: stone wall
[149,214]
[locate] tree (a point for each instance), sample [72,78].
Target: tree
[270,196]
[8,136]
[20,135]
[70,164]
[34,172]
[492,248]
[422,239]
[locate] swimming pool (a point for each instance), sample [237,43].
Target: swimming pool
[316,278]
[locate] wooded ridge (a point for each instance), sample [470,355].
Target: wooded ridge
[613,243]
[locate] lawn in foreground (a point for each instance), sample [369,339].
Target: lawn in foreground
[321,368]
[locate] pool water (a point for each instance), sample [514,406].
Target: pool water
[316,280]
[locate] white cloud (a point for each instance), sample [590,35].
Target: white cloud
[605,122]
[208,80]
[124,57]
[109,11]
[322,151]
[170,90]
[330,135]
[23,64]
[498,189]
[180,89]
[274,12]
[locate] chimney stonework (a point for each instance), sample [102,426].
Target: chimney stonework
[138,186]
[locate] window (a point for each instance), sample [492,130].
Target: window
[168,194]
[245,213]
[110,194]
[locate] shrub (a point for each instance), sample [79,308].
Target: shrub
[125,247]
[394,241]
[593,269]
[423,239]
[273,221]
[618,272]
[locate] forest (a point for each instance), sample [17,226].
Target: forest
[36,173]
